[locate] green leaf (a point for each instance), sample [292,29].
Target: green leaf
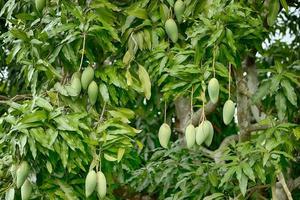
[145,80]
[285,5]
[227,176]
[289,91]
[43,103]
[243,182]
[121,152]
[110,158]
[215,36]
[213,196]
[248,171]
[262,91]
[10,194]
[138,12]
[36,116]
[280,104]
[230,39]
[104,92]
[273,12]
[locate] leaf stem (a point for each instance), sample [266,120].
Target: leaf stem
[165,112]
[229,79]
[213,64]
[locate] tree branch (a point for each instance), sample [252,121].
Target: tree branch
[15,98]
[284,185]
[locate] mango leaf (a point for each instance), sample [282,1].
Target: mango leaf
[273,12]
[104,92]
[10,194]
[289,91]
[145,80]
[110,158]
[280,104]
[36,116]
[121,152]
[285,5]
[248,171]
[243,182]
[262,91]
[214,196]
[43,103]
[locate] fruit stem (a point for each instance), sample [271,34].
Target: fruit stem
[229,79]
[213,64]
[192,112]
[165,112]
[83,50]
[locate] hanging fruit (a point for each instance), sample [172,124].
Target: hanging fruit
[179,8]
[171,30]
[164,135]
[93,92]
[213,90]
[210,134]
[101,185]
[40,4]
[202,132]
[26,190]
[22,173]
[87,77]
[228,111]
[90,183]
[190,136]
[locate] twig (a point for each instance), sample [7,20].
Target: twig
[83,50]
[284,185]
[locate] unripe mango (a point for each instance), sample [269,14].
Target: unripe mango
[179,10]
[190,135]
[202,132]
[93,92]
[101,185]
[40,4]
[228,111]
[171,30]
[90,183]
[26,190]
[164,135]
[22,173]
[213,90]
[87,77]
[210,134]
[74,88]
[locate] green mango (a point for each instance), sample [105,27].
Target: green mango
[213,90]
[179,8]
[22,173]
[190,136]
[86,77]
[26,190]
[101,185]
[90,183]
[164,135]
[210,134]
[171,30]
[93,92]
[76,83]
[228,111]
[202,132]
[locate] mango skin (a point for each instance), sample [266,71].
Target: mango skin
[86,77]
[210,134]
[228,111]
[202,132]
[40,4]
[22,173]
[190,136]
[26,190]
[164,135]
[76,83]
[90,183]
[93,92]
[213,90]
[171,30]
[101,185]
[179,8]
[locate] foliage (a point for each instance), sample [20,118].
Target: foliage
[141,74]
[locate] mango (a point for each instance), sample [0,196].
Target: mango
[90,183]
[202,132]
[26,190]
[213,90]
[190,136]
[164,135]
[87,77]
[171,30]
[101,185]
[179,8]
[22,173]
[210,134]
[93,92]
[228,111]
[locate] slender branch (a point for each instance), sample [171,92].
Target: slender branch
[284,185]
[18,97]
[83,51]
